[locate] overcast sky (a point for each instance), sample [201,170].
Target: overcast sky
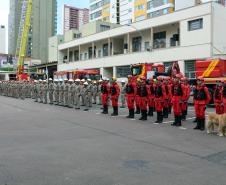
[4,12]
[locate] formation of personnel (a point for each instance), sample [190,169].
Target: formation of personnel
[143,96]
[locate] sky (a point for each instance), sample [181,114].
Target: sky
[4,11]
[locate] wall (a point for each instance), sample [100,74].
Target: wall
[53,47]
[219,29]
[179,4]
[196,37]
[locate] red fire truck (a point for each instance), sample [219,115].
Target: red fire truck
[80,74]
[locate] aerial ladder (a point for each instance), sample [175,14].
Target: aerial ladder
[23,43]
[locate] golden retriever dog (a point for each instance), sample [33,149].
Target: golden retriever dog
[216,120]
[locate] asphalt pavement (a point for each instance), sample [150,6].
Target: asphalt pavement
[51,145]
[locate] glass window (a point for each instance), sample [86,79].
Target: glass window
[159,40]
[190,68]
[105,50]
[123,71]
[147,45]
[140,18]
[136,44]
[104,27]
[136,70]
[99,53]
[195,24]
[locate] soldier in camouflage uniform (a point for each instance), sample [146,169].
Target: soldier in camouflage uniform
[51,91]
[71,93]
[66,89]
[77,94]
[61,93]
[99,92]
[45,92]
[95,91]
[82,95]
[36,90]
[90,92]
[56,91]
[40,91]
[86,94]
[123,94]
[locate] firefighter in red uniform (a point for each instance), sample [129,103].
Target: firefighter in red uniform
[144,91]
[159,99]
[130,96]
[167,97]
[151,97]
[218,98]
[137,99]
[105,93]
[185,97]
[178,91]
[224,97]
[201,99]
[115,92]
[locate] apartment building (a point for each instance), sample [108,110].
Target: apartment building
[105,10]
[184,36]
[2,39]
[75,17]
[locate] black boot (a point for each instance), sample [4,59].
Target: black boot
[169,110]
[129,116]
[198,124]
[132,113]
[195,120]
[145,115]
[114,111]
[158,117]
[202,124]
[138,110]
[183,117]
[151,111]
[103,110]
[142,115]
[165,112]
[106,110]
[175,121]
[178,121]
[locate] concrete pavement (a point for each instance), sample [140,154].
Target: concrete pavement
[50,145]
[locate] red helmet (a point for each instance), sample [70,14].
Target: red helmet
[200,78]
[184,79]
[178,76]
[159,78]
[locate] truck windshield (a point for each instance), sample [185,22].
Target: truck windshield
[136,70]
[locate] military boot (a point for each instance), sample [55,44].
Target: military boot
[202,124]
[142,115]
[138,110]
[198,124]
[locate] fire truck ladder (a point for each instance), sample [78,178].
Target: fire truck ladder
[23,36]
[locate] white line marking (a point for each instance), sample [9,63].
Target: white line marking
[182,128]
[156,123]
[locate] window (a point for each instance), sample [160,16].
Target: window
[70,56]
[104,27]
[76,55]
[105,50]
[140,18]
[99,53]
[81,56]
[159,40]
[86,56]
[190,68]
[167,65]
[195,24]
[140,7]
[147,46]
[137,44]
[123,71]
[95,15]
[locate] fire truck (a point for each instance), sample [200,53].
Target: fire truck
[80,74]
[153,70]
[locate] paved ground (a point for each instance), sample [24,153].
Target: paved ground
[49,145]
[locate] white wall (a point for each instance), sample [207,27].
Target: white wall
[195,37]
[160,55]
[179,4]
[2,40]
[219,29]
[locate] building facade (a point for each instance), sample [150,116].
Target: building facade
[43,26]
[105,10]
[2,39]
[75,17]
[184,36]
